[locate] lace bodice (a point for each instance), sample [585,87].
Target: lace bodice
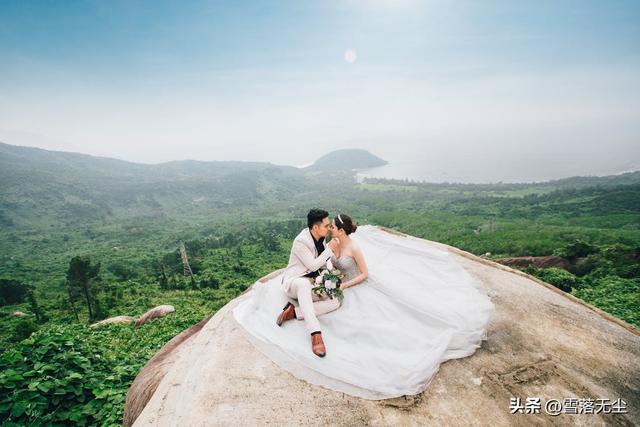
[347,265]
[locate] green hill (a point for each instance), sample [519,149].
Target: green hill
[42,187]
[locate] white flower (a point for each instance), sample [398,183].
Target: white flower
[323,272]
[329,284]
[329,264]
[318,280]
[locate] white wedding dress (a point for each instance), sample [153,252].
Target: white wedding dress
[417,309]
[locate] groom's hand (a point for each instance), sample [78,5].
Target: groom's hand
[333,244]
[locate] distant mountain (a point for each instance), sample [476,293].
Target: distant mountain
[43,188]
[347,159]
[577,182]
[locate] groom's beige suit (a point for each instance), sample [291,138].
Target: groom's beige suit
[304,258]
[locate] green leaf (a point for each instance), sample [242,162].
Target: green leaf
[12,375]
[101,393]
[44,387]
[18,408]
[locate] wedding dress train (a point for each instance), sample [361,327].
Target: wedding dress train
[417,309]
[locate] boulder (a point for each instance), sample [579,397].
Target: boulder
[542,342]
[146,382]
[116,319]
[159,311]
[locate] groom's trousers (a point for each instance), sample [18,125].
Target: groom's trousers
[310,304]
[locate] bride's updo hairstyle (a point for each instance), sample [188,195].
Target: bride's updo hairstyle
[344,222]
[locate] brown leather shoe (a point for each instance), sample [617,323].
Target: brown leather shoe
[288,313]
[317,345]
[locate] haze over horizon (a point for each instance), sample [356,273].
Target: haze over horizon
[481,92]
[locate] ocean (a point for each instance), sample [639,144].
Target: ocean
[493,169]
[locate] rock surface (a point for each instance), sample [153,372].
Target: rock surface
[542,342]
[115,319]
[154,313]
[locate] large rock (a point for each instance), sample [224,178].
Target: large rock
[154,313]
[542,342]
[115,319]
[154,371]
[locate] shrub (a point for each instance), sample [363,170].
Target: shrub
[558,277]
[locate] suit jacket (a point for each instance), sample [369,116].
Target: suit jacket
[304,257]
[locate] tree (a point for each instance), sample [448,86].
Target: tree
[209,281]
[164,282]
[122,271]
[41,316]
[576,249]
[12,291]
[80,277]
[174,281]
[74,295]
[269,240]
[23,329]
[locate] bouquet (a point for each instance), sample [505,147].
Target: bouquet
[328,282]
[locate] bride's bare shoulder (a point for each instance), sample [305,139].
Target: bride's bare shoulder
[355,247]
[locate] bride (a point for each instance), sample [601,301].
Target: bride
[407,308]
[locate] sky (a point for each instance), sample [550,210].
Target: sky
[475,90]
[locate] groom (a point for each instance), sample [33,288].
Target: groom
[308,255]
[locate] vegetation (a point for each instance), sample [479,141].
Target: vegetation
[86,238]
